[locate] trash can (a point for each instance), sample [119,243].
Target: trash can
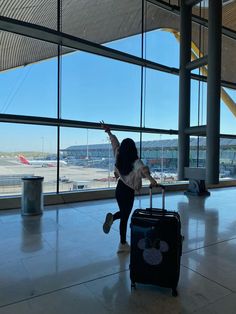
[32,196]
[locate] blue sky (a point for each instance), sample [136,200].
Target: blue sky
[96,88]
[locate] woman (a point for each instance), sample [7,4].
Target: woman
[129,170]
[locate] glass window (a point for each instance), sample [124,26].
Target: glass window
[199,107]
[198,103]
[227,158]
[131,45]
[96,88]
[160,153]
[30,90]
[228,115]
[89,159]
[161,97]
[27,150]
[227,155]
[197,155]
[162,47]
[160,43]
[199,44]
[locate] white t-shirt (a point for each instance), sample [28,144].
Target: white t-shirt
[134,178]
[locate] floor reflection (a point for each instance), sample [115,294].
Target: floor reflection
[62,261]
[31,226]
[200,224]
[114,294]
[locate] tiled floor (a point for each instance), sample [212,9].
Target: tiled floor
[62,262]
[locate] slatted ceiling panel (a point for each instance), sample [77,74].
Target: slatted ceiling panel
[24,51]
[158,18]
[41,12]
[99,21]
[102,21]
[229,16]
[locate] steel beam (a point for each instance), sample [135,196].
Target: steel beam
[198,63]
[184,88]
[20,119]
[196,130]
[213,92]
[9,118]
[203,78]
[192,2]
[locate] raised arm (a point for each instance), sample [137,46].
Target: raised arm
[114,141]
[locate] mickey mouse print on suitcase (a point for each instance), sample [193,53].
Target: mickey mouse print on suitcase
[156,246]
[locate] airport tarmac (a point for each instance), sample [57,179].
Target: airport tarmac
[71,176]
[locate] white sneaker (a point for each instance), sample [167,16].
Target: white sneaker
[123,248]
[108,223]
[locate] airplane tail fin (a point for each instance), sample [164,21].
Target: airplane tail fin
[23,160]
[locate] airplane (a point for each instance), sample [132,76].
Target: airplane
[41,163]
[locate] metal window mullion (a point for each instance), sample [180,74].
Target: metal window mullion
[58,113]
[59,48]
[142,80]
[9,118]
[19,119]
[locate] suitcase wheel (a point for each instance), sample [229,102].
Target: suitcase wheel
[174,292]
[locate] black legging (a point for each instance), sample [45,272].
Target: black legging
[125,200]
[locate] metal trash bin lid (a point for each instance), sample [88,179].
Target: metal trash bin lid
[33,178]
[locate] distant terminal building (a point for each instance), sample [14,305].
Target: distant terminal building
[159,154]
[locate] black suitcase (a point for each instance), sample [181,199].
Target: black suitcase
[156,246]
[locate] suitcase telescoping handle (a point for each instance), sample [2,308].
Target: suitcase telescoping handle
[163,196]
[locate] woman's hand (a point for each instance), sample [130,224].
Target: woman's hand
[105,127]
[153,182]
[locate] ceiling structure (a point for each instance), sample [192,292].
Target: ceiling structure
[103,21]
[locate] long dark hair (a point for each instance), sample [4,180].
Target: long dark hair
[126,156]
